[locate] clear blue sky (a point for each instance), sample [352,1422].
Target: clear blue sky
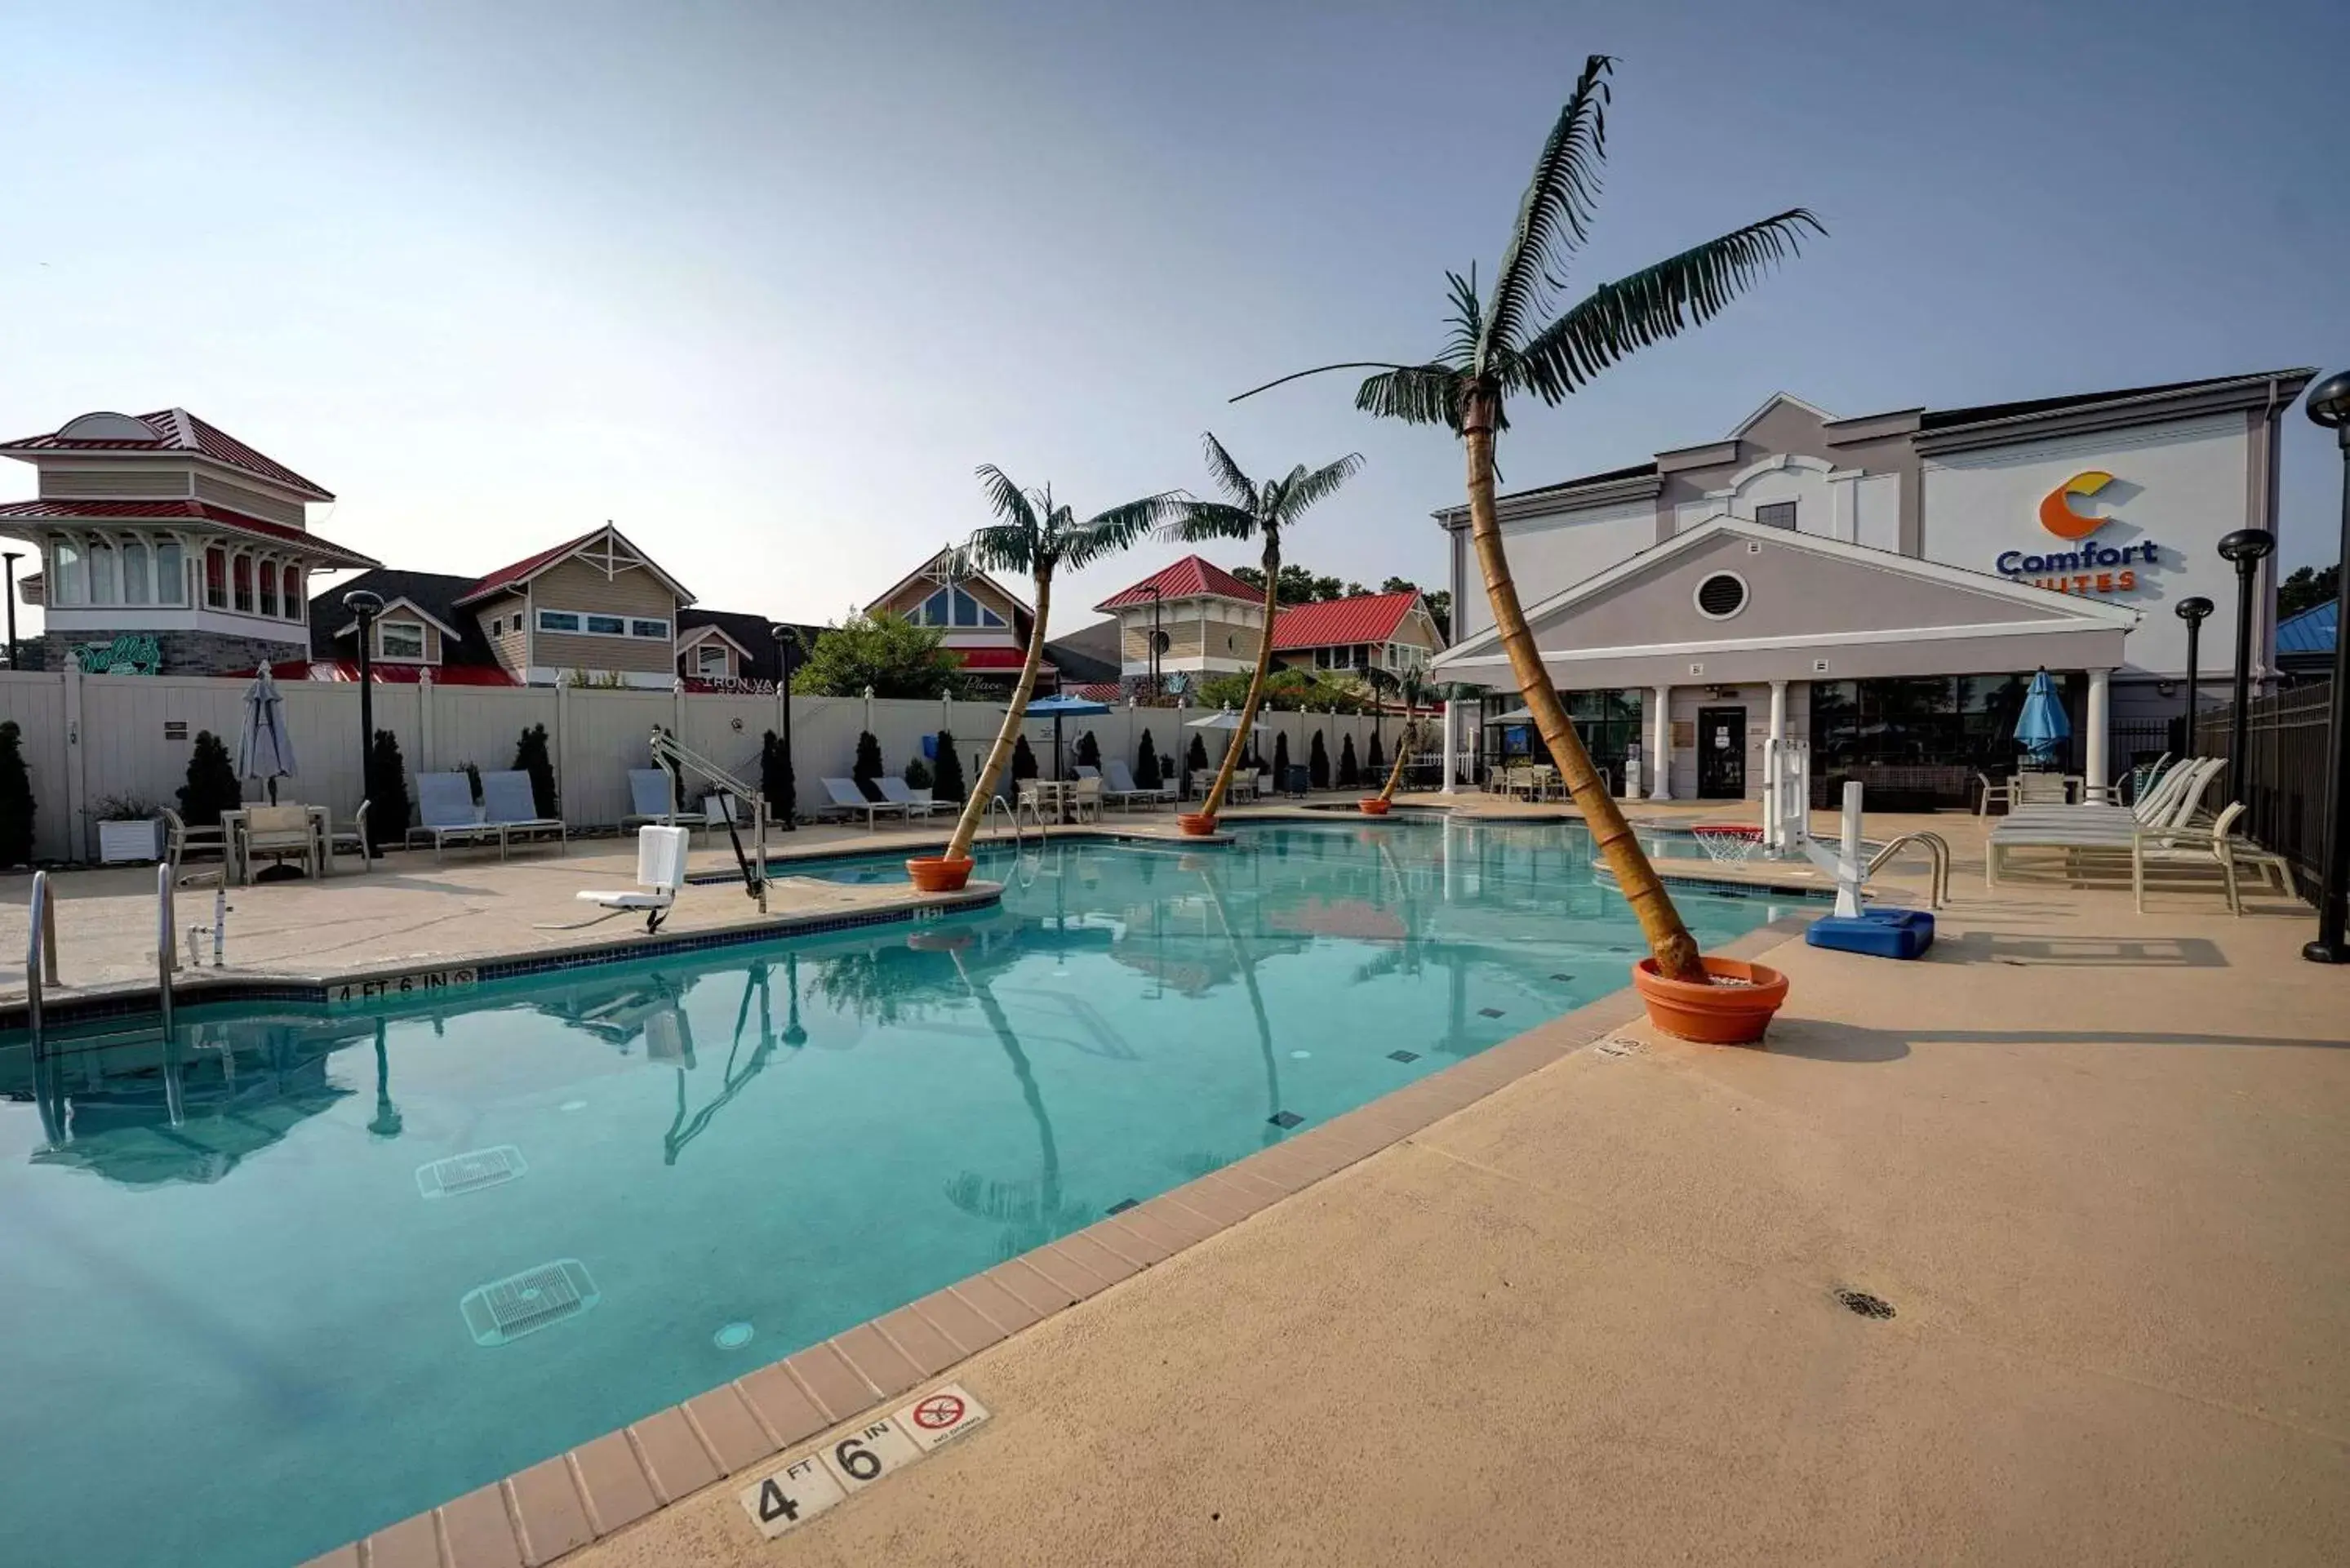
[762,282]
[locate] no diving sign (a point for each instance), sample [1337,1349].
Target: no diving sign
[816,1480]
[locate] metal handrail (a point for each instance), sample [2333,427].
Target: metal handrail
[1938,848]
[987,814]
[670,752]
[40,954]
[167,943]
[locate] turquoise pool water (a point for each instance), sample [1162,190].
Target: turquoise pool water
[247,1337]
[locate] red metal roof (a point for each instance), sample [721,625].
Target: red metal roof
[1339,623]
[177,431]
[1096,690]
[1189,578]
[398,674]
[995,658]
[59,511]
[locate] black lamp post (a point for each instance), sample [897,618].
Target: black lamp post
[366,606]
[2329,405]
[1152,589]
[2245,549]
[12,558]
[2194,612]
[787,637]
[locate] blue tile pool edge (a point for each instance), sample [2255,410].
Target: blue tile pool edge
[1196,1211]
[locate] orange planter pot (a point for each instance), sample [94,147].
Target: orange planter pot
[937,874]
[1196,823]
[1372,806]
[1734,1014]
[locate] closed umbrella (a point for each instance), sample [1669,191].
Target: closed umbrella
[1224,719]
[265,751]
[1057,708]
[2041,727]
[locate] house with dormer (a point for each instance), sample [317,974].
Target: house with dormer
[983,623]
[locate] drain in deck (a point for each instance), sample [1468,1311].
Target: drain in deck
[505,1310]
[1403,1055]
[470,1171]
[1865,1305]
[1489,1011]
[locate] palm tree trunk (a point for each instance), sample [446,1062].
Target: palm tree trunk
[1669,942]
[1403,750]
[976,806]
[1256,683]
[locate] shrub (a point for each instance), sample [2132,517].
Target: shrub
[531,757]
[1023,761]
[212,786]
[948,784]
[868,765]
[386,793]
[1317,763]
[1146,763]
[1374,762]
[1281,760]
[1195,755]
[16,806]
[1350,771]
[473,772]
[775,781]
[918,775]
[1088,750]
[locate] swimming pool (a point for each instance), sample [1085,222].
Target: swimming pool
[305,1312]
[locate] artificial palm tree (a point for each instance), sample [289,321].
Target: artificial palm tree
[1258,512]
[1039,536]
[1507,343]
[1411,685]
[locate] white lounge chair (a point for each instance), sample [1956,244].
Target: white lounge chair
[918,803]
[843,798]
[660,872]
[2212,845]
[508,802]
[444,813]
[650,803]
[2103,830]
[1119,787]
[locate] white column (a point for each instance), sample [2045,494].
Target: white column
[2100,727]
[1452,758]
[1779,711]
[1660,743]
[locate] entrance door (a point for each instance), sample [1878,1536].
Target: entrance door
[1722,754]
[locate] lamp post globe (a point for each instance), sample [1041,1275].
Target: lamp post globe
[2194,612]
[2329,407]
[786,638]
[365,605]
[2244,549]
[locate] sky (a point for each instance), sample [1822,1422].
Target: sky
[764,284]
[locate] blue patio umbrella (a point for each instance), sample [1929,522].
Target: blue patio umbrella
[1057,708]
[265,751]
[2041,727]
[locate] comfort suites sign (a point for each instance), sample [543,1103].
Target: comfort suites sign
[2079,564]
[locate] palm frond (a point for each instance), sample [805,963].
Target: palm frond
[1003,547]
[1662,301]
[1107,532]
[1227,474]
[1417,394]
[1555,215]
[1011,502]
[1468,318]
[1198,522]
[1317,370]
[1301,490]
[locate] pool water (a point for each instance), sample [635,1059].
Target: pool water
[389,1255]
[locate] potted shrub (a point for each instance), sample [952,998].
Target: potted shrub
[129,829]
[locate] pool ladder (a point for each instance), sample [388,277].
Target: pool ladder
[40,955]
[995,803]
[1935,846]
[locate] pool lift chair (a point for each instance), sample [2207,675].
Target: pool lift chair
[661,871]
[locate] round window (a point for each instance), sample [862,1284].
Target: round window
[1721,595]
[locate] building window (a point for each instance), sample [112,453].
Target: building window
[1721,596]
[171,574]
[240,578]
[658,630]
[710,660]
[105,589]
[592,625]
[290,580]
[1776,514]
[72,573]
[953,607]
[400,639]
[216,577]
[269,589]
[557,620]
[608,624]
[136,588]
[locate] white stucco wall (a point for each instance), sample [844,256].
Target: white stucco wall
[1548,554]
[2177,486]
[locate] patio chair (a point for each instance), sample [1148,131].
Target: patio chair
[1120,778]
[353,838]
[660,872]
[918,803]
[650,803]
[843,799]
[279,831]
[1089,798]
[2213,845]
[444,813]
[508,802]
[181,842]
[2103,830]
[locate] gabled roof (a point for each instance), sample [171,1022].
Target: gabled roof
[1772,401]
[2075,605]
[1192,577]
[2312,631]
[1365,618]
[1091,654]
[62,511]
[434,593]
[523,570]
[932,568]
[1938,419]
[174,431]
[754,634]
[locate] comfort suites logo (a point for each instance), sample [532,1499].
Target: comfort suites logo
[2092,568]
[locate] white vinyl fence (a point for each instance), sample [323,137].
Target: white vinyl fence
[89,740]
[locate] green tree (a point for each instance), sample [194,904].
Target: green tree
[918,775]
[1146,763]
[1317,763]
[2306,588]
[1281,760]
[1438,600]
[1512,342]
[888,653]
[1350,767]
[868,769]
[948,781]
[386,793]
[1023,760]
[1375,759]
[1088,750]
[1195,756]
[1295,585]
[17,805]
[212,786]
[776,780]
[1036,535]
[531,757]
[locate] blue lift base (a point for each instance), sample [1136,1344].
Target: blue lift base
[1880,933]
